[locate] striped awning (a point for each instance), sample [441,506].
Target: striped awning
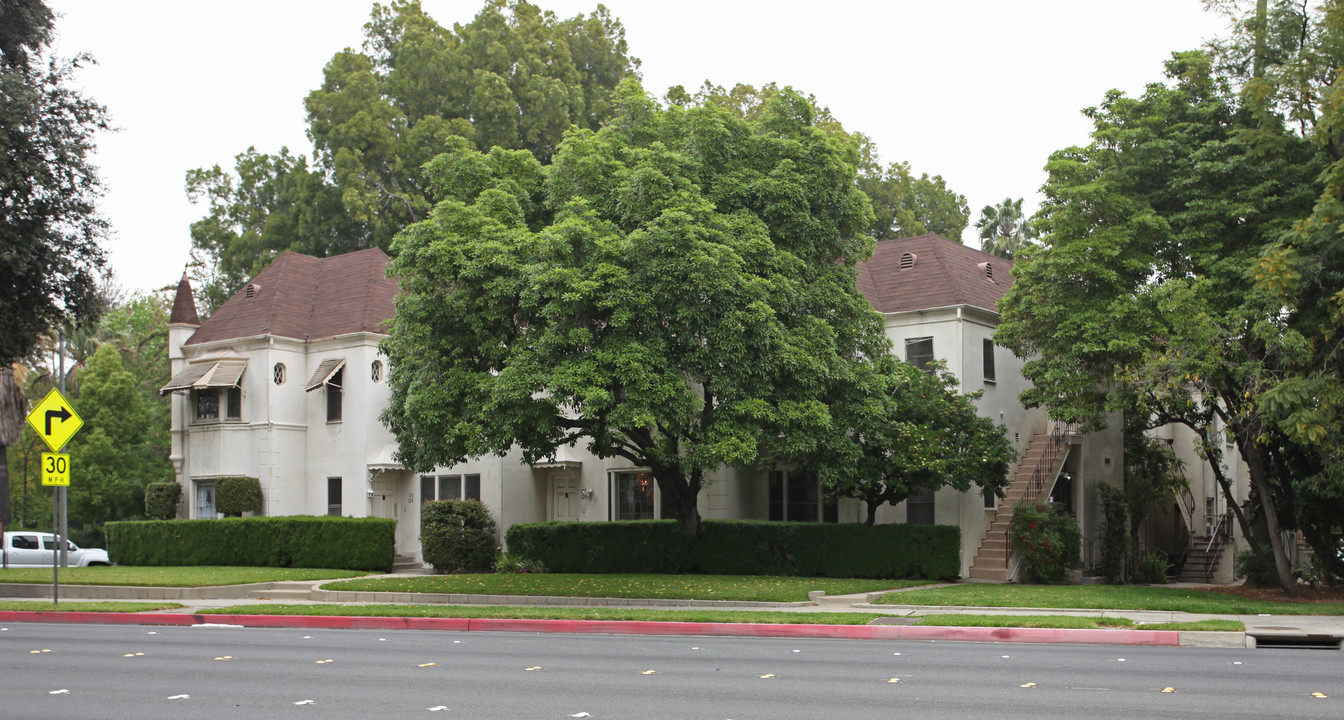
[325,372]
[210,374]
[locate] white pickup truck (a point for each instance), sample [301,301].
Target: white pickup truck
[35,549]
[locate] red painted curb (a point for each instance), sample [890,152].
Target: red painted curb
[1168,638]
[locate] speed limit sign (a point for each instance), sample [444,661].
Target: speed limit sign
[56,469]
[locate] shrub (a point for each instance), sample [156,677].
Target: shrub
[743,547]
[1247,565]
[299,541]
[1151,569]
[1047,539]
[457,535]
[1114,537]
[237,495]
[161,500]
[507,563]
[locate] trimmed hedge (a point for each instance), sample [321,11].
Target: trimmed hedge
[743,547]
[457,535]
[237,495]
[161,500]
[298,541]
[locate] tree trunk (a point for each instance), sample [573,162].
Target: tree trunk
[4,487]
[872,511]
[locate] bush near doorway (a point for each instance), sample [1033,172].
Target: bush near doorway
[237,495]
[161,500]
[457,535]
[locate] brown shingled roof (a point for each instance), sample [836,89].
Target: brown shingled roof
[184,306]
[944,273]
[307,298]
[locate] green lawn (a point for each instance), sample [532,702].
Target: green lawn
[169,576]
[552,613]
[1104,597]
[79,606]
[760,588]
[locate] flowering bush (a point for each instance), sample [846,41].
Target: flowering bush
[1047,540]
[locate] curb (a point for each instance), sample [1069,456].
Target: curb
[1164,638]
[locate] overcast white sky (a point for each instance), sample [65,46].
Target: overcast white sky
[978,91]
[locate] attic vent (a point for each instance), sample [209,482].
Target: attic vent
[251,290]
[907,261]
[988,269]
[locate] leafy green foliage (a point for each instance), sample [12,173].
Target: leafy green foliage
[237,495]
[1142,299]
[1047,540]
[1003,229]
[743,547]
[114,456]
[678,290]
[49,226]
[1114,540]
[515,77]
[281,542]
[1248,566]
[161,500]
[457,535]
[507,563]
[913,430]
[1151,568]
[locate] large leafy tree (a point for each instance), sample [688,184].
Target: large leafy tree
[515,77]
[1143,299]
[912,430]
[1003,229]
[116,452]
[49,228]
[677,289]
[903,205]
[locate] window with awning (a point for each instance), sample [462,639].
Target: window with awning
[209,374]
[329,375]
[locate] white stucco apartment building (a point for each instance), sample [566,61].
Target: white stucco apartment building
[284,382]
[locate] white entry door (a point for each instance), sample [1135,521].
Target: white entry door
[566,493]
[205,501]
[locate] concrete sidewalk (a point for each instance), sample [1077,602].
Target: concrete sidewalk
[1261,630]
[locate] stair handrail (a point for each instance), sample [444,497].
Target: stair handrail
[1046,468]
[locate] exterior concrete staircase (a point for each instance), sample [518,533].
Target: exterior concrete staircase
[1202,560]
[1033,477]
[407,565]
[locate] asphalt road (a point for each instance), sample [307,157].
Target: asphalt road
[88,672]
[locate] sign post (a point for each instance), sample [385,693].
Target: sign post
[56,421]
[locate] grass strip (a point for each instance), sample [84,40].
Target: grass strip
[1200,625]
[1104,597]
[1066,622]
[756,588]
[552,613]
[170,576]
[111,606]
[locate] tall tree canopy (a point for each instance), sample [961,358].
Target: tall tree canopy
[1003,229]
[677,289]
[903,205]
[515,77]
[1191,272]
[49,227]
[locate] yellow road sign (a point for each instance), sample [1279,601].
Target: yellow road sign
[56,469]
[55,420]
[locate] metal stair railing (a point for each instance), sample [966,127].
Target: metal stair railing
[1042,477]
